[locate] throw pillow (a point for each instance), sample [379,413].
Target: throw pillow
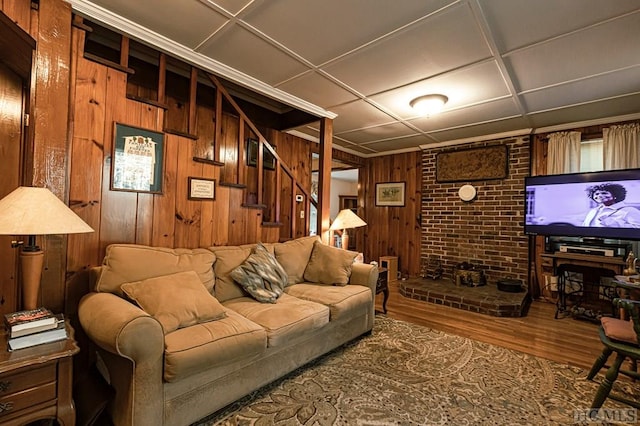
[329,265]
[177,300]
[261,275]
[294,255]
[125,263]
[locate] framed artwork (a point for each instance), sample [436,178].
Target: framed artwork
[137,159]
[471,164]
[202,189]
[390,194]
[268,159]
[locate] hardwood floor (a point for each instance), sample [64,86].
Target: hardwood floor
[567,341]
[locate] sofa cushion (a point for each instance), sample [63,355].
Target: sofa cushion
[284,320]
[124,263]
[329,265]
[343,301]
[177,300]
[294,255]
[193,349]
[261,275]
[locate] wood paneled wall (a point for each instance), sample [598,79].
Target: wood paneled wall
[46,139]
[168,219]
[391,231]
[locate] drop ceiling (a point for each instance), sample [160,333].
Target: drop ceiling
[508,67]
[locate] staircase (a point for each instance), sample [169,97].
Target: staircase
[261,184]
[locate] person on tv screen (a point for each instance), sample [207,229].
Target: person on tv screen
[611,212]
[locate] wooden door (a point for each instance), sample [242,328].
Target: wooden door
[11,113]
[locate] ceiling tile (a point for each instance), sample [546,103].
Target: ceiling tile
[377,133]
[415,53]
[517,23]
[600,49]
[317,89]
[357,115]
[599,87]
[171,19]
[245,52]
[400,143]
[231,6]
[481,130]
[309,129]
[607,108]
[355,148]
[479,83]
[490,111]
[321,30]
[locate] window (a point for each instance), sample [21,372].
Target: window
[591,155]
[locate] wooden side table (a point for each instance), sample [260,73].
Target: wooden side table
[383,286]
[37,382]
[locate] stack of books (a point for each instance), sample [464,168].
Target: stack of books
[33,327]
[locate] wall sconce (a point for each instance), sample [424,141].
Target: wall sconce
[428,104]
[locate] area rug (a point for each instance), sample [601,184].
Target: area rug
[405,374]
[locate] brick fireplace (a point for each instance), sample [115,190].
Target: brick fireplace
[487,231]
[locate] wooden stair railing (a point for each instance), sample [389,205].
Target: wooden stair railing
[221,94]
[280,165]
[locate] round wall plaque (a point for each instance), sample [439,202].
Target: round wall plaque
[467,192]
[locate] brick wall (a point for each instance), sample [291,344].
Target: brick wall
[487,231]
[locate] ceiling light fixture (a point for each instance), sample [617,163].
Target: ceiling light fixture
[428,104]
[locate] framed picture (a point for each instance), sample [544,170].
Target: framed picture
[202,189]
[269,161]
[390,194]
[464,165]
[137,159]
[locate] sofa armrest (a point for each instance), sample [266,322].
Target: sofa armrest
[364,274]
[133,342]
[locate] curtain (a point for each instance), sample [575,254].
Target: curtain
[563,155]
[620,146]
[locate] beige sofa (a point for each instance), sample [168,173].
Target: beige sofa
[175,377]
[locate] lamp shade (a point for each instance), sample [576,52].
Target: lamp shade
[347,219]
[37,211]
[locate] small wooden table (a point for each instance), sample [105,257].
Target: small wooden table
[383,286]
[37,382]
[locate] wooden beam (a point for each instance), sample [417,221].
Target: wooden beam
[124,52]
[193,89]
[324,179]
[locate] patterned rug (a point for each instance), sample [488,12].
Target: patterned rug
[405,374]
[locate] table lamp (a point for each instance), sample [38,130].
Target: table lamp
[346,219]
[35,211]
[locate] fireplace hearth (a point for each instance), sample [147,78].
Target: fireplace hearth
[486,299]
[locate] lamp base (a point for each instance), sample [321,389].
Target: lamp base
[31,263]
[345,240]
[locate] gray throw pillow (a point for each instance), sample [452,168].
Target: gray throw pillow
[261,275]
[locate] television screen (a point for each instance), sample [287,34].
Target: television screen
[599,205]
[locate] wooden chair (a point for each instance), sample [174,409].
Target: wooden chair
[622,337]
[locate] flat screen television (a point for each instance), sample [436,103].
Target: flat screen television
[594,205]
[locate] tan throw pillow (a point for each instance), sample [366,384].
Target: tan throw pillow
[294,256]
[176,301]
[125,263]
[261,275]
[329,265]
